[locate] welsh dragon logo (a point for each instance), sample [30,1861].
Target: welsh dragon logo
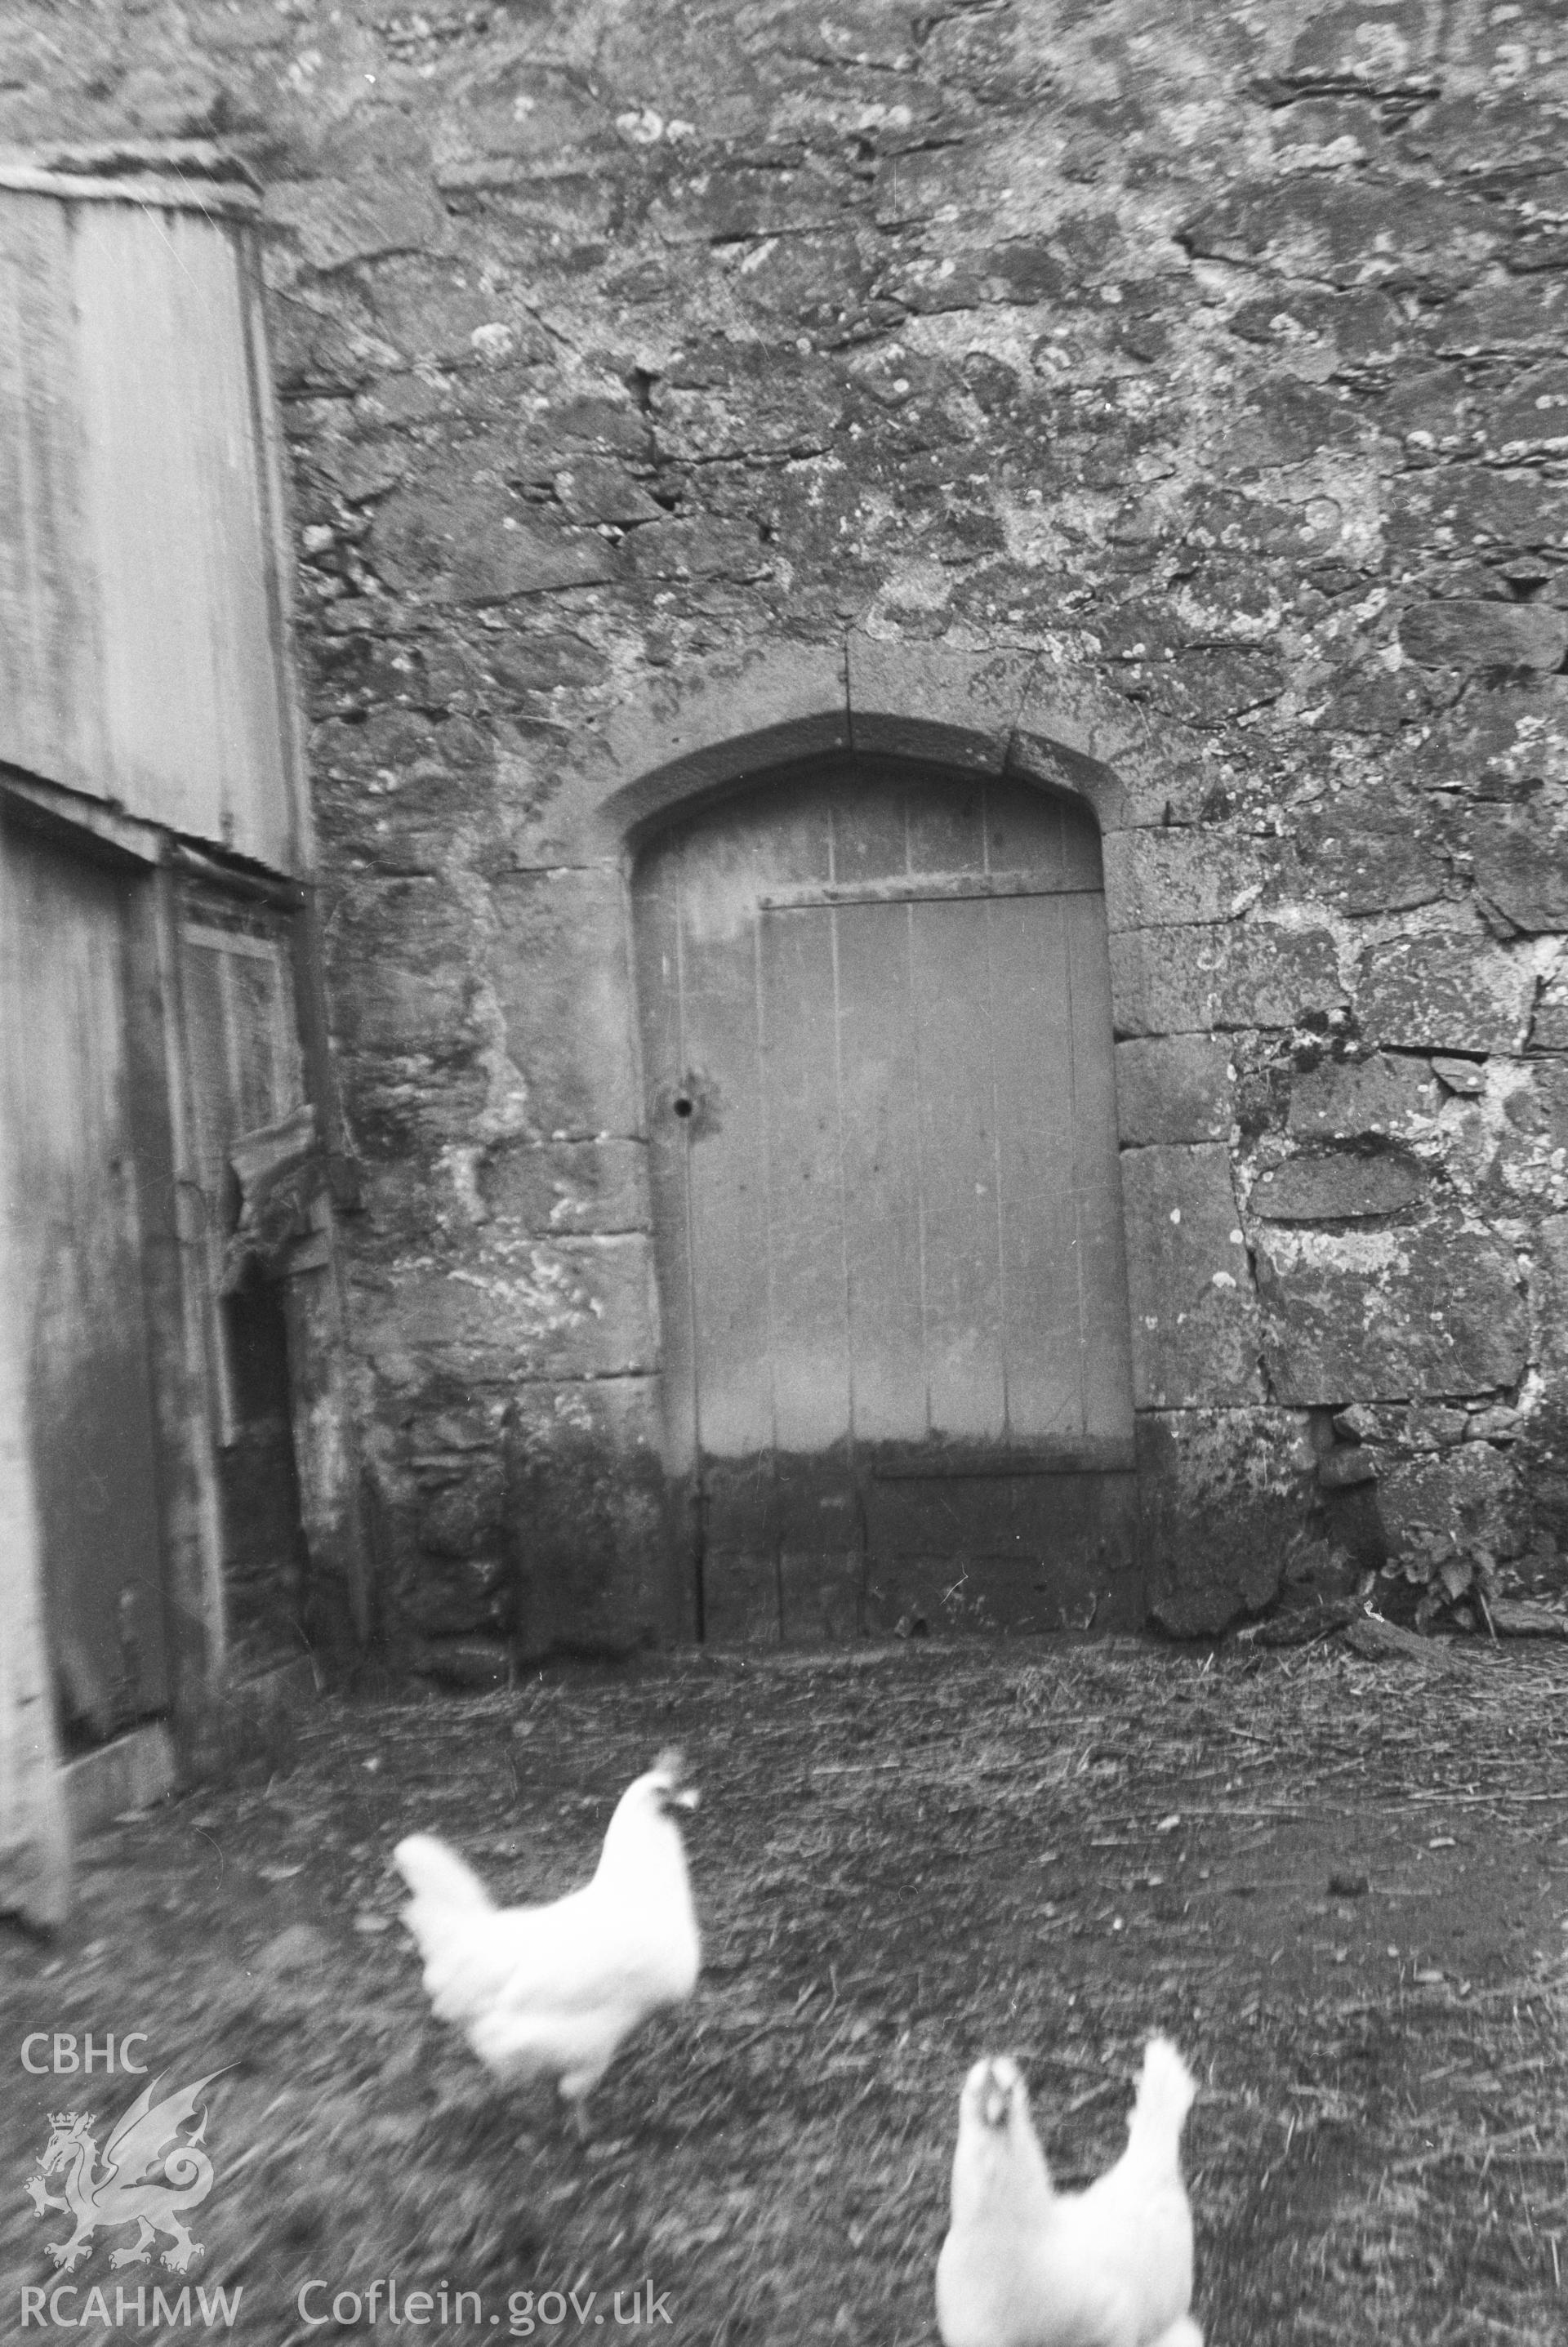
[150,2174]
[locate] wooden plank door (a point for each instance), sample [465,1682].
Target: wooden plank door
[877,1036]
[78,1238]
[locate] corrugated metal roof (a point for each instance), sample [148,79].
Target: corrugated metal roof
[142,629]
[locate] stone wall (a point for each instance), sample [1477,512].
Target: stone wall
[1206,364]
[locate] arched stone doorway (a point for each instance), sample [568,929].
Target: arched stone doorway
[875,1019]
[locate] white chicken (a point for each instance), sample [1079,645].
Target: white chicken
[552,1992]
[1026,2266]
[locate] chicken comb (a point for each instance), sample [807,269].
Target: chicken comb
[671,1763]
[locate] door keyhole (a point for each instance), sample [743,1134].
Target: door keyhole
[692,1102]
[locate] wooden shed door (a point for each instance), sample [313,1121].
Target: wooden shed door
[877,1041]
[244,1071]
[79,1236]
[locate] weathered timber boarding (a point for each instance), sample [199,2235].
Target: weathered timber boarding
[245,1072]
[876,1036]
[140,619]
[78,1287]
[154,937]
[242,1041]
[35,1854]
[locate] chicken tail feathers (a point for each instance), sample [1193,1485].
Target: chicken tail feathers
[437,1875]
[1166,2092]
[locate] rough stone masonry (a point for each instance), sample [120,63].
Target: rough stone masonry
[1211,357]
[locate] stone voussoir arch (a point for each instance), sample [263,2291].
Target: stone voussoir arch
[720,722]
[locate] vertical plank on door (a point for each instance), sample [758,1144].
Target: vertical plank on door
[1097,1181]
[868,831]
[964,1301]
[882,1236]
[798,987]
[1031,1041]
[80,1303]
[726,1163]
[946,825]
[207,1047]
[663,1059]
